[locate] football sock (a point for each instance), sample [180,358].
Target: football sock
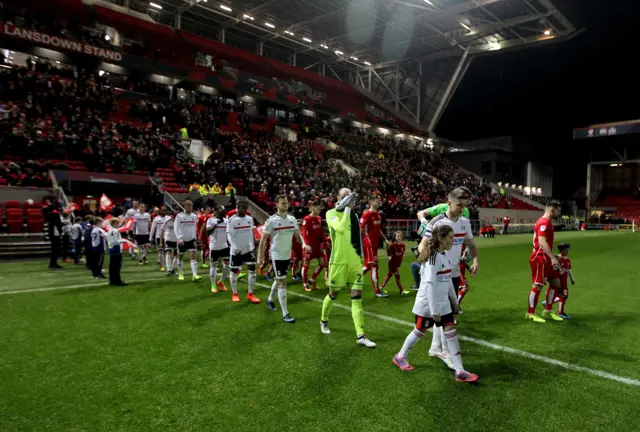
[225,273]
[168,260]
[374,278]
[398,282]
[251,280]
[305,274]
[272,293]
[174,262]
[203,256]
[212,273]
[327,305]
[386,280]
[144,252]
[461,294]
[282,296]
[551,293]
[180,264]
[454,349]
[436,343]
[194,267]
[357,313]
[160,257]
[443,342]
[316,272]
[561,303]
[234,282]
[410,341]
[533,300]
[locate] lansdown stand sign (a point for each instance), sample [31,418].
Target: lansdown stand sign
[58,42]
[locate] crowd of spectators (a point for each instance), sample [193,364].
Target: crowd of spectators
[48,117]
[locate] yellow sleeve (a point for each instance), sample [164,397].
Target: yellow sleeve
[337,224]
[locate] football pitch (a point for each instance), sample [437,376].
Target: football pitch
[79,355]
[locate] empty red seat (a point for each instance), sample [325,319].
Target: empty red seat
[35,224]
[14,223]
[12,204]
[3,182]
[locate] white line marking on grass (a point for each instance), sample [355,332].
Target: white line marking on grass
[71,287]
[569,366]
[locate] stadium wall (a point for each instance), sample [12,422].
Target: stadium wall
[23,193]
[493,215]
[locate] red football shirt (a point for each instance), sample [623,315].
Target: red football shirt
[396,253]
[565,266]
[370,223]
[311,231]
[543,228]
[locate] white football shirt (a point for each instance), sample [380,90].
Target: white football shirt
[218,238]
[461,232]
[281,230]
[240,234]
[185,226]
[141,222]
[169,231]
[435,287]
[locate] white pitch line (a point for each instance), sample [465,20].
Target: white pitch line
[70,287]
[569,366]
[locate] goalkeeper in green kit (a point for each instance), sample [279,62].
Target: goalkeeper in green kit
[438,210]
[345,264]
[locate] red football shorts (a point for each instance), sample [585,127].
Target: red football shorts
[463,281]
[394,267]
[204,243]
[542,271]
[315,253]
[370,255]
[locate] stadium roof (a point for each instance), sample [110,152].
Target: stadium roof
[406,55]
[356,33]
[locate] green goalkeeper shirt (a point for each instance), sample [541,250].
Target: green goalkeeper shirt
[442,209]
[345,236]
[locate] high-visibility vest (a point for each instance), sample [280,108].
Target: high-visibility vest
[229,190]
[194,187]
[217,190]
[204,190]
[184,133]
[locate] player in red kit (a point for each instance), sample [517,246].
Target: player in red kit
[565,274]
[313,236]
[201,229]
[505,224]
[370,224]
[296,257]
[544,265]
[395,251]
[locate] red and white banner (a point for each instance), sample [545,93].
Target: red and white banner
[58,42]
[105,203]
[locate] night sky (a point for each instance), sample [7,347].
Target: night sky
[542,93]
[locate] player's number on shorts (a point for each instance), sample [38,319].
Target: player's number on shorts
[359,280]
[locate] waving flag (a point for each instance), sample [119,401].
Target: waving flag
[105,203]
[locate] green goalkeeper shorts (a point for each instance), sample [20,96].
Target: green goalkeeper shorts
[343,274]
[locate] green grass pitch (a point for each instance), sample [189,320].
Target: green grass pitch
[77,355]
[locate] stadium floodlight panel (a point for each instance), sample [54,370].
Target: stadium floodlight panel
[339,52]
[367,63]
[465,26]
[289,33]
[269,25]
[225,7]
[248,17]
[324,46]
[428,2]
[155,5]
[547,32]
[306,39]
[354,58]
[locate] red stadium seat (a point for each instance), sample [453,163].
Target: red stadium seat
[35,224]
[14,223]
[12,204]
[3,182]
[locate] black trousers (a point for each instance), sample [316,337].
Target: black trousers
[65,247]
[115,264]
[98,260]
[55,251]
[88,256]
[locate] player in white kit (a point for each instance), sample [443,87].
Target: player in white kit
[242,246]
[436,302]
[216,229]
[282,228]
[168,234]
[141,226]
[458,200]
[185,230]
[129,215]
[155,236]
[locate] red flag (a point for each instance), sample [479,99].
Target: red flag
[71,208]
[105,203]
